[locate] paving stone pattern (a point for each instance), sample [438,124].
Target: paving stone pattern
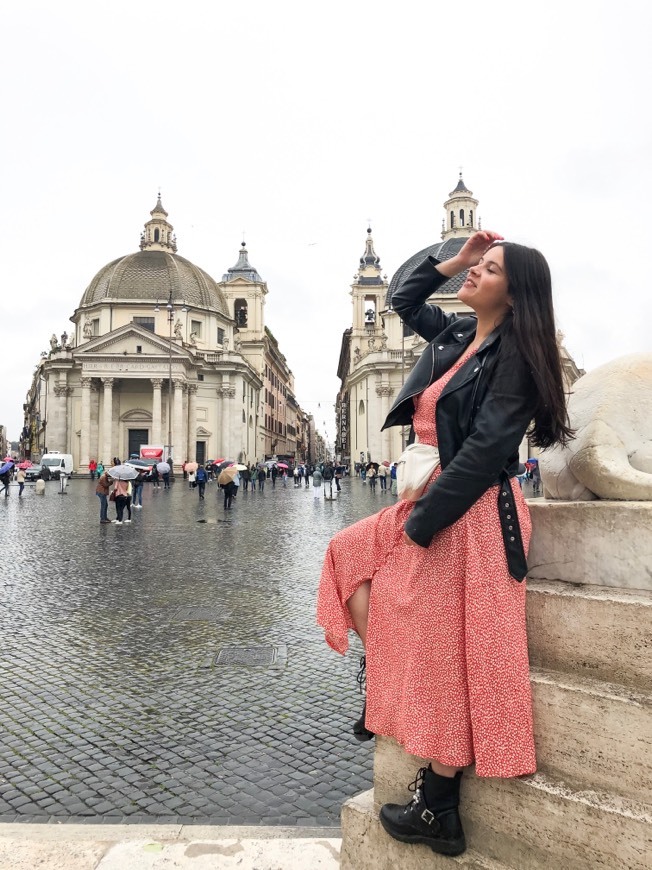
[171,670]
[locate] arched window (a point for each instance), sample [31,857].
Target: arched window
[470,217]
[241,313]
[157,235]
[361,407]
[461,217]
[452,220]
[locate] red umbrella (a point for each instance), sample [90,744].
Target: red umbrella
[385,463]
[8,459]
[25,464]
[281,464]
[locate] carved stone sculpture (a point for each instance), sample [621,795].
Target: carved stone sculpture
[88,329]
[611,456]
[178,329]
[53,341]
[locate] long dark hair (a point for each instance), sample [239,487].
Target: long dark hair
[530,326]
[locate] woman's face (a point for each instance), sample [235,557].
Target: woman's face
[486,288]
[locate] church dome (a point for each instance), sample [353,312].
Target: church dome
[155,272]
[151,275]
[440,251]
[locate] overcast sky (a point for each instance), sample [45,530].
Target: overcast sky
[296,122]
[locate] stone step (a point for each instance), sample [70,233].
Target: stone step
[595,631]
[366,846]
[593,733]
[533,822]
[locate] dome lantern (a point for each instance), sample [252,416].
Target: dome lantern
[158,234]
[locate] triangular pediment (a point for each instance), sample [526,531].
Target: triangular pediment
[126,338]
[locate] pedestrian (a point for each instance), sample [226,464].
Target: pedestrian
[448,614]
[274,476]
[130,492]
[5,479]
[102,492]
[120,492]
[138,484]
[363,474]
[92,467]
[192,480]
[296,476]
[382,477]
[166,475]
[246,477]
[155,477]
[202,479]
[183,469]
[316,482]
[371,478]
[327,475]
[338,471]
[20,479]
[100,469]
[284,478]
[306,474]
[229,494]
[261,479]
[393,471]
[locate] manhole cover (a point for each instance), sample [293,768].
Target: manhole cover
[253,656]
[200,613]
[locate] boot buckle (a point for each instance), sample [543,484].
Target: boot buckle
[427,817]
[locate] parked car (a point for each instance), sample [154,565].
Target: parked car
[33,472]
[57,463]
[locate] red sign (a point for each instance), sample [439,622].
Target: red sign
[150,452]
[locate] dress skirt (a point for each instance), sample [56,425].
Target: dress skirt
[447,660]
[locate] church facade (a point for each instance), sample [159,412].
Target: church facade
[160,354]
[378,351]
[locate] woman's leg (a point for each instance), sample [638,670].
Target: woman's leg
[358,605]
[444,769]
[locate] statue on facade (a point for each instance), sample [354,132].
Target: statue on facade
[357,356]
[237,343]
[225,344]
[178,329]
[88,329]
[193,338]
[54,343]
[64,339]
[611,455]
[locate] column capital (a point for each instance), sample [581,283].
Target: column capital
[179,384]
[62,391]
[192,389]
[157,383]
[108,383]
[86,383]
[227,391]
[384,390]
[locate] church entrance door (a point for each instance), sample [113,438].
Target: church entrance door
[201,452]
[136,438]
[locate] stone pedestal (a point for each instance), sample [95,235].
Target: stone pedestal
[590,804]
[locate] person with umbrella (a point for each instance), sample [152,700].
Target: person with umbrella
[163,469]
[122,474]
[262,477]
[229,480]
[6,471]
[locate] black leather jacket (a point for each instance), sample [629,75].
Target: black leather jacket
[482,414]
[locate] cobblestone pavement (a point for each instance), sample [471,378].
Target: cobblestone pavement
[171,670]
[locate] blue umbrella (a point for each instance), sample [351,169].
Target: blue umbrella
[7,466]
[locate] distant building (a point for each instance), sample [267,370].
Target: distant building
[160,354]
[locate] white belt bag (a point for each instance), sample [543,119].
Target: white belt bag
[414,469]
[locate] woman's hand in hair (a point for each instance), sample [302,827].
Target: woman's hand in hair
[470,254]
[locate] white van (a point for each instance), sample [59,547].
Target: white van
[58,462]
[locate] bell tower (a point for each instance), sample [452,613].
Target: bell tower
[368,291]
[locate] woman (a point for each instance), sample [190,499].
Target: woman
[121,490]
[432,586]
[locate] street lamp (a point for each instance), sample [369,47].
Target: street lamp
[169,307]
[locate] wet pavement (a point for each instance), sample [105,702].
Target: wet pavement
[171,670]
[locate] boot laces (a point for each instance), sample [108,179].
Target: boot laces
[417,786]
[361,679]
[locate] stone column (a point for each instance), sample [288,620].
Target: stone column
[107,422]
[85,441]
[157,383]
[228,395]
[60,433]
[384,391]
[177,424]
[192,422]
[94,437]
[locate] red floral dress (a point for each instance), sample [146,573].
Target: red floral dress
[447,660]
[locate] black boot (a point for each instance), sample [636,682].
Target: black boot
[431,817]
[360,731]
